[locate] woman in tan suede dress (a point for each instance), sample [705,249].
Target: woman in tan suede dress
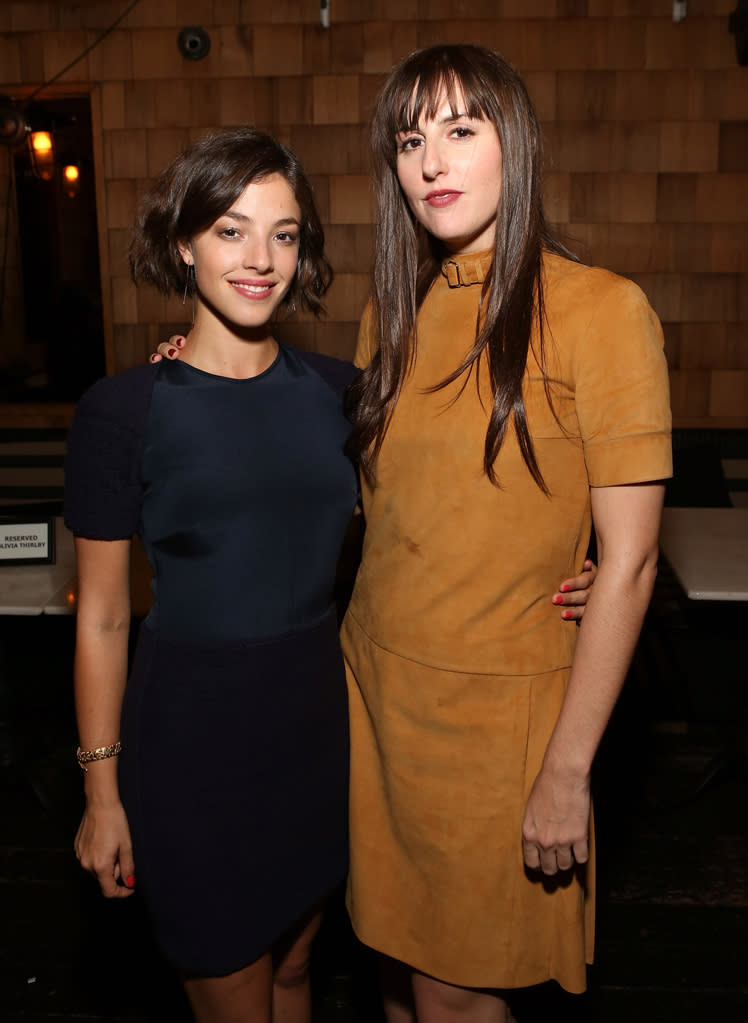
[510,397]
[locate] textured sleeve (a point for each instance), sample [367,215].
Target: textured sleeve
[622,389]
[103,490]
[366,345]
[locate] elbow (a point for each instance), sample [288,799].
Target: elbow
[635,571]
[107,624]
[641,573]
[649,570]
[113,625]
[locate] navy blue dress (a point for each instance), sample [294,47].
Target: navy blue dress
[234,768]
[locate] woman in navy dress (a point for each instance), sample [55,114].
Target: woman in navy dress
[216,774]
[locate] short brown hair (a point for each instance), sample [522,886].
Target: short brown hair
[199,186]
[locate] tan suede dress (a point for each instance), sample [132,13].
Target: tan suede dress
[457,659]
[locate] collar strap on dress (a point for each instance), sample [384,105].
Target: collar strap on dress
[468,269]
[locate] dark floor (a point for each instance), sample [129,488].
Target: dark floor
[672,941]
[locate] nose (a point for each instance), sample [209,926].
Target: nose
[433,162]
[257,255]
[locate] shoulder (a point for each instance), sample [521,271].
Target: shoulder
[585,288]
[594,312]
[103,490]
[121,398]
[336,373]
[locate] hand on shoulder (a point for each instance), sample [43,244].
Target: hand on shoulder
[169,349]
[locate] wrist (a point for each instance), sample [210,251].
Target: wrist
[102,797]
[97,753]
[570,766]
[100,783]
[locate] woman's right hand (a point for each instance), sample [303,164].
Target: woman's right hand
[169,349]
[104,848]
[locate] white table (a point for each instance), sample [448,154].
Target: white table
[53,589]
[30,589]
[708,551]
[707,548]
[34,590]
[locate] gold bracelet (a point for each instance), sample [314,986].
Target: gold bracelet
[85,756]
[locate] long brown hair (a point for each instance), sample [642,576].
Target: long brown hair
[199,186]
[477,82]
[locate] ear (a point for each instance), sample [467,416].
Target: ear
[185,251]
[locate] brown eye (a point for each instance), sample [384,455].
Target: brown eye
[409,144]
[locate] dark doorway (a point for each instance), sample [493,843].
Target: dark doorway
[60,274]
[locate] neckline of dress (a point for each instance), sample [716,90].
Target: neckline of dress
[467,268]
[247,381]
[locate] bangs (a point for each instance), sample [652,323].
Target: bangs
[467,78]
[428,94]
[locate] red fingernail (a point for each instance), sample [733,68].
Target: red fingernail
[171,352]
[565,588]
[567,614]
[558,599]
[130,881]
[179,342]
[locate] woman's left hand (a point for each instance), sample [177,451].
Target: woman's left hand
[555,831]
[573,593]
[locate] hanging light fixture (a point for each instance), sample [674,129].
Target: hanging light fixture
[42,150]
[71,178]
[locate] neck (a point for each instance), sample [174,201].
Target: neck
[224,349]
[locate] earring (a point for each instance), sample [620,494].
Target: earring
[189,281]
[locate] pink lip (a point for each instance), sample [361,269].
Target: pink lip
[443,197]
[265,286]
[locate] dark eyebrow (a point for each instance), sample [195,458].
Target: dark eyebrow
[450,119]
[242,218]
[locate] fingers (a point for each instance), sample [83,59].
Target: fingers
[571,603]
[107,873]
[555,828]
[531,855]
[573,613]
[168,349]
[113,881]
[112,865]
[573,593]
[581,851]
[553,860]
[127,868]
[107,882]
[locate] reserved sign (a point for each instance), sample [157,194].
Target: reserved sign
[27,543]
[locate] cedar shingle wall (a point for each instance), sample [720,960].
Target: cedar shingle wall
[646,125]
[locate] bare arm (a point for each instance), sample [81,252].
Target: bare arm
[627,522]
[102,843]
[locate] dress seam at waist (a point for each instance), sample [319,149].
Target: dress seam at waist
[455,671]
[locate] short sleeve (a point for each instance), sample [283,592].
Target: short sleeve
[103,490]
[366,345]
[622,389]
[337,373]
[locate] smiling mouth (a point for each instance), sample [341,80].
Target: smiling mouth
[253,291]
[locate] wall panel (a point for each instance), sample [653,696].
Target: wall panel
[645,122]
